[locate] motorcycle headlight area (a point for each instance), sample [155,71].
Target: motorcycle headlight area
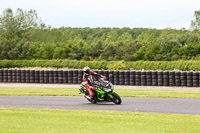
[108,88]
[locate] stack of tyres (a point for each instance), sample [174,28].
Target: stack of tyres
[18,76]
[55,76]
[127,77]
[60,76]
[160,78]
[121,78]
[65,80]
[22,75]
[13,75]
[138,78]
[32,76]
[166,78]
[132,77]
[1,75]
[189,78]
[195,79]
[183,79]
[46,76]
[149,78]
[105,73]
[100,72]
[37,76]
[171,78]
[199,79]
[70,76]
[111,76]
[116,77]
[143,78]
[80,76]
[9,76]
[41,76]
[51,76]
[75,76]
[27,76]
[154,78]
[178,78]
[5,75]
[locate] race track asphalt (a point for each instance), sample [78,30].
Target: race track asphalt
[190,106]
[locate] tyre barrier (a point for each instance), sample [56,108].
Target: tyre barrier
[132,77]
[116,77]
[138,78]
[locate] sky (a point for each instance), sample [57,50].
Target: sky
[159,14]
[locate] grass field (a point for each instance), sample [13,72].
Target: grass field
[22,91]
[14,120]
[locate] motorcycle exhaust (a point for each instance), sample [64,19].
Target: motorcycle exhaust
[87,97]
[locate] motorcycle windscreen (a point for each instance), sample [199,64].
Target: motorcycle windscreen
[103,82]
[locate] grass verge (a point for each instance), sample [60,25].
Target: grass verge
[22,91]
[14,120]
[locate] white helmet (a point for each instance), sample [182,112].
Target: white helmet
[86,70]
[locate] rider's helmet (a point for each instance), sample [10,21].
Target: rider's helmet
[86,70]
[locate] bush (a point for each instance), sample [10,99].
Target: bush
[117,66]
[192,65]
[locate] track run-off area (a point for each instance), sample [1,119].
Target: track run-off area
[190,106]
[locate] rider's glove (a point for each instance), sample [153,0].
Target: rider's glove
[93,88]
[103,76]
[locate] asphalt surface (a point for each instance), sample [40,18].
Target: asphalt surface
[153,105]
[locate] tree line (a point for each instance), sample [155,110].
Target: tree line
[23,35]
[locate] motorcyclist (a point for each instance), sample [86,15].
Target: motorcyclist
[88,80]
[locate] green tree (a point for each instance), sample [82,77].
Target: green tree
[139,55]
[195,24]
[16,30]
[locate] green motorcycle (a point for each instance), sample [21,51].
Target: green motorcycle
[103,92]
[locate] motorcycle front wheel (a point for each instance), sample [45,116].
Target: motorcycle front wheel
[116,98]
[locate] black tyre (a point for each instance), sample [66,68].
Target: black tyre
[143,83]
[177,73]
[137,83]
[149,76]
[148,73]
[132,83]
[116,98]
[183,77]
[154,83]
[165,76]
[143,76]
[160,76]
[177,77]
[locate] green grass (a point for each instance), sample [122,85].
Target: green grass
[122,92]
[22,91]
[14,120]
[159,93]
